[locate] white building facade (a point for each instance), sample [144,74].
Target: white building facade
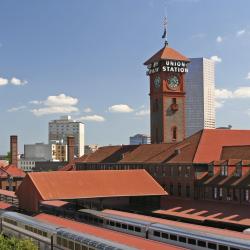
[139,139]
[200,97]
[65,126]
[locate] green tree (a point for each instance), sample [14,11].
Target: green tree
[16,244]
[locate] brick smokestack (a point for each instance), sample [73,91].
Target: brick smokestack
[71,148]
[13,150]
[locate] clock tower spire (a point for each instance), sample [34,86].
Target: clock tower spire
[166,70]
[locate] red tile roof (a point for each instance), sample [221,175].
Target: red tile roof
[92,184]
[166,53]
[7,193]
[236,152]
[204,146]
[11,170]
[3,163]
[213,140]
[5,206]
[114,236]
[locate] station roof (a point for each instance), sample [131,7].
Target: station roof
[7,193]
[114,236]
[67,185]
[166,53]
[204,146]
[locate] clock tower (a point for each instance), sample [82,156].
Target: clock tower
[166,70]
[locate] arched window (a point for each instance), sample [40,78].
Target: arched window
[156,105]
[174,133]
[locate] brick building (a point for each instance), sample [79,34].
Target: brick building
[190,169]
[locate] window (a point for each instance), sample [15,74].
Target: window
[179,189]
[182,239]
[157,234]
[59,241]
[71,245]
[224,170]
[77,246]
[238,170]
[191,241]
[246,194]
[137,229]
[188,191]
[202,243]
[222,247]
[124,226]
[215,192]
[174,100]
[164,235]
[171,189]
[220,192]
[188,171]
[131,228]
[173,237]
[111,223]
[174,133]
[211,246]
[179,170]
[118,224]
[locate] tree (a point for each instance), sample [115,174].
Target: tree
[16,244]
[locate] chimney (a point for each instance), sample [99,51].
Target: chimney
[13,150]
[71,148]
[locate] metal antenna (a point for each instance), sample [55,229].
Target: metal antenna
[164,36]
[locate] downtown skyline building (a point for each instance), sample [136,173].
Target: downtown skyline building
[60,129]
[200,97]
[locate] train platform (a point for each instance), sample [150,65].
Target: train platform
[201,211]
[122,238]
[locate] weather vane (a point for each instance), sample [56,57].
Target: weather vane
[164,36]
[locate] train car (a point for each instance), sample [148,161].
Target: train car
[114,222]
[193,239]
[68,239]
[21,226]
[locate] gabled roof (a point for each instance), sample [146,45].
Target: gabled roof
[66,185]
[204,146]
[166,53]
[11,170]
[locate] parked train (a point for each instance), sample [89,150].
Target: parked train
[50,237]
[190,239]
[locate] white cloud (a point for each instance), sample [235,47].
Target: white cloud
[15,109]
[240,32]
[58,104]
[87,110]
[60,100]
[120,108]
[242,92]
[219,104]
[92,118]
[248,76]
[3,81]
[223,94]
[219,39]
[143,112]
[17,82]
[216,59]
[35,102]
[54,110]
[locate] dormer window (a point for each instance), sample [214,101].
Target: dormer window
[238,172]
[224,170]
[211,169]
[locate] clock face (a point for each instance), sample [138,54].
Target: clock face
[157,82]
[173,82]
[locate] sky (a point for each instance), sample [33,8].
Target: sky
[85,59]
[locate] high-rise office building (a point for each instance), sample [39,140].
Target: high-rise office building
[139,139]
[200,99]
[62,128]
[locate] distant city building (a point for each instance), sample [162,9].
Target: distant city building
[65,126]
[88,149]
[139,139]
[40,152]
[200,100]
